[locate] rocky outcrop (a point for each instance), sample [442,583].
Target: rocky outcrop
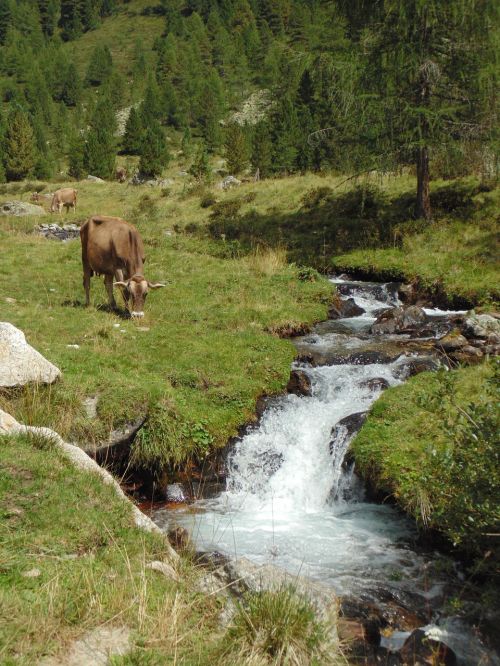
[20,364]
[228,183]
[481,326]
[21,208]
[95,179]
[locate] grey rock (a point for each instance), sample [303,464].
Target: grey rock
[419,648]
[95,648]
[90,406]
[95,179]
[399,320]
[228,182]
[164,568]
[20,364]
[20,208]
[481,326]
[452,341]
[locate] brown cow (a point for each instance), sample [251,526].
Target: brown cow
[121,174]
[114,248]
[66,197]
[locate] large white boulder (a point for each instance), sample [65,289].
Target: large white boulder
[19,362]
[20,208]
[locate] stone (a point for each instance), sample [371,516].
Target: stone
[452,341]
[228,182]
[20,208]
[481,326]
[164,568]
[399,320]
[95,179]
[417,365]
[20,364]
[350,308]
[90,406]
[375,384]
[95,648]
[179,538]
[299,383]
[32,573]
[421,649]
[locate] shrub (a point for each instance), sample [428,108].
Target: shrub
[223,215]
[316,196]
[208,199]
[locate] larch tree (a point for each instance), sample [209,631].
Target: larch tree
[236,148]
[19,146]
[425,65]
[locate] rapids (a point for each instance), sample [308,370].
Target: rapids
[292,500]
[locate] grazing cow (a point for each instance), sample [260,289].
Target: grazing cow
[114,248]
[66,197]
[121,174]
[41,199]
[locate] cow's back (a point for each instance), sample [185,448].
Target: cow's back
[109,244]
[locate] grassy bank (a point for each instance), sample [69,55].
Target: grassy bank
[432,444]
[454,256]
[72,562]
[196,363]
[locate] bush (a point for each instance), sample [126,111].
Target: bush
[207,200]
[223,215]
[315,197]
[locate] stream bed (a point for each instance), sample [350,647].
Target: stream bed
[292,498]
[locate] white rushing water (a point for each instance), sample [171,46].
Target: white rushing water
[290,501]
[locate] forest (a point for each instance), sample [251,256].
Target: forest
[282,86]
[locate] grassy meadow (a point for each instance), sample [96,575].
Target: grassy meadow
[207,348]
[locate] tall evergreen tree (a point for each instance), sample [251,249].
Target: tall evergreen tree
[262,150]
[154,151]
[425,64]
[71,91]
[236,148]
[132,139]
[76,156]
[49,13]
[100,146]
[100,66]
[19,146]
[5,18]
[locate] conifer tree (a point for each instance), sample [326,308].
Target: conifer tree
[200,169]
[186,145]
[154,151]
[45,162]
[100,66]
[236,148]
[5,18]
[76,156]
[70,21]
[132,139]
[151,109]
[19,146]
[262,150]
[49,12]
[100,146]
[71,91]
[286,135]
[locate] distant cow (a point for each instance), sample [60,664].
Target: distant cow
[114,248]
[66,197]
[121,174]
[41,199]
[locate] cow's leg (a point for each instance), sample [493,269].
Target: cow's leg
[60,207]
[108,281]
[86,285]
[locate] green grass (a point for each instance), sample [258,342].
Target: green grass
[452,255]
[206,355]
[91,564]
[432,444]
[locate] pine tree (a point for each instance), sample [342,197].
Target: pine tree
[200,169]
[151,109]
[427,65]
[100,66]
[70,21]
[154,151]
[100,146]
[45,162]
[236,148]
[76,156]
[19,146]
[186,145]
[132,139]
[286,135]
[5,18]
[49,12]
[71,91]
[262,150]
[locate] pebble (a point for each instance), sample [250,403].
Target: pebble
[73,346]
[32,573]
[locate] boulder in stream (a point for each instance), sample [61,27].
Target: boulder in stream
[345,309]
[299,383]
[481,326]
[419,648]
[399,320]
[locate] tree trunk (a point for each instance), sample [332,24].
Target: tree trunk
[423,179]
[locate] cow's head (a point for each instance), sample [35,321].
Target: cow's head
[35,197]
[135,291]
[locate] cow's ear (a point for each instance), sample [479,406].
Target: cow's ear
[156,285]
[120,284]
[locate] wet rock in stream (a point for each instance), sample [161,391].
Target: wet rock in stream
[299,383]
